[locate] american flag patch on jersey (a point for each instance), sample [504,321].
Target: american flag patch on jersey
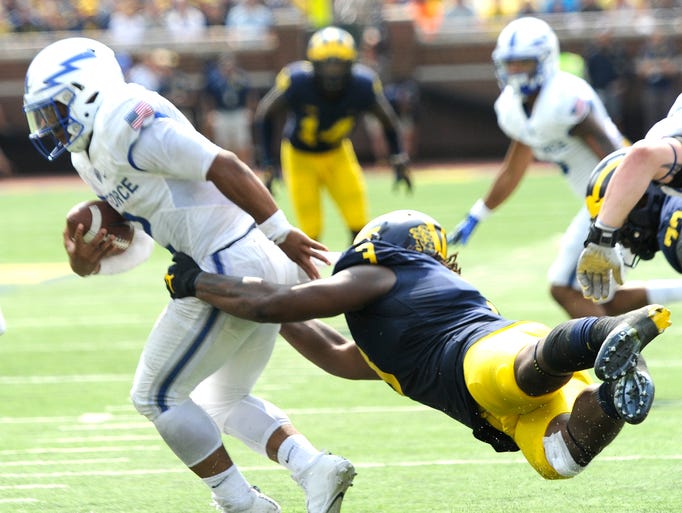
[136,117]
[580,108]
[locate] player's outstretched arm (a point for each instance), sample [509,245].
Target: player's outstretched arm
[516,162]
[261,301]
[327,348]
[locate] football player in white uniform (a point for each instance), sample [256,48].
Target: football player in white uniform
[137,151]
[655,159]
[554,116]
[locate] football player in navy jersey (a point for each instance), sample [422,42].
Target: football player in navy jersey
[652,225]
[323,98]
[432,336]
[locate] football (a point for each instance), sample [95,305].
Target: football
[95,215]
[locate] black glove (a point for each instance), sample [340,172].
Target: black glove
[181,276]
[402,173]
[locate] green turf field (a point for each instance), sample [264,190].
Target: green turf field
[70,442]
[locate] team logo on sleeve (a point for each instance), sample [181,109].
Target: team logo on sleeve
[135,118]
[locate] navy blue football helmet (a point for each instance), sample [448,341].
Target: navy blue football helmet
[409,229]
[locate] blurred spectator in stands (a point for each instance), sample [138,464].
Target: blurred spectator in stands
[560,6]
[427,16]
[158,71]
[354,16]
[608,70]
[20,16]
[229,101]
[460,11]
[215,12]
[319,13]
[527,8]
[590,6]
[57,16]
[658,71]
[184,21]
[127,23]
[91,15]
[250,19]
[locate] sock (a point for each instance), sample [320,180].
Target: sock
[663,291]
[230,487]
[296,453]
[570,347]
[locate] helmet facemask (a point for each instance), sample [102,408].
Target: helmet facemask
[332,52]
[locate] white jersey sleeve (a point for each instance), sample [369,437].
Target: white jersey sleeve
[138,252]
[173,149]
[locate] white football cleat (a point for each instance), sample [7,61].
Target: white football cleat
[261,504]
[325,483]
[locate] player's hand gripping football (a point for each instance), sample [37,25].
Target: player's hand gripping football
[598,266]
[463,230]
[181,276]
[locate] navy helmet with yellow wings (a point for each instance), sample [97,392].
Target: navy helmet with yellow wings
[639,233]
[332,52]
[409,229]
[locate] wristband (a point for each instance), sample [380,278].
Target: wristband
[602,235]
[480,211]
[276,227]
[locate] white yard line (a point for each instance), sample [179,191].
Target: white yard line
[273,467]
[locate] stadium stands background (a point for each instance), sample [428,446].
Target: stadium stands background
[451,66]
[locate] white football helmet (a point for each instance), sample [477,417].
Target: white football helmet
[526,38]
[62,93]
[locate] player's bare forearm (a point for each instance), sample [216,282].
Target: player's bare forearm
[241,185]
[328,349]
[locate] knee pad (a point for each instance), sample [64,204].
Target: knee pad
[558,456]
[189,431]
[251,420]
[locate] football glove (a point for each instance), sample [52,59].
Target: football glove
[402,176]
[598,266]
[463,230]
[181,276]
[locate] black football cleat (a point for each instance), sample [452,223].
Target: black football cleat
[620,350]
[633,396]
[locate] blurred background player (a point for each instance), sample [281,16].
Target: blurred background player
[554,116]
[324,97]
[195,376]
[432,336]
[230,100]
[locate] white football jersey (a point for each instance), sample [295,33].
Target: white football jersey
[150,164]
[563,102]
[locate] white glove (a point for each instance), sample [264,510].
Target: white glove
[598,267]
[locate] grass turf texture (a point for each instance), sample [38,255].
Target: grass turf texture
[70,442]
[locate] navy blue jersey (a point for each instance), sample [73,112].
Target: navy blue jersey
[229,91]
[417,334]
[669,231]
[316,123]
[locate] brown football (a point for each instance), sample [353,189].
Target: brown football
[97,214]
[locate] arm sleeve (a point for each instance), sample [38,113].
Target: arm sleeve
[173,149]
[138,252]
